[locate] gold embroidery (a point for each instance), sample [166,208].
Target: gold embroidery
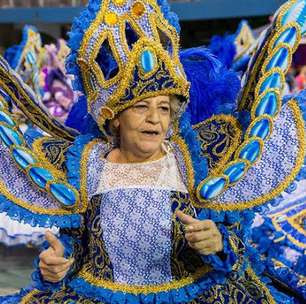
[263,287]
[84,173]
[295,221]
[188,163]
[126,75]
[233,138]
[28,297]
[135,289]
[38,152]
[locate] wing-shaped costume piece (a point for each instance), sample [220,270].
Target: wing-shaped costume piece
[271,153]
[30,183]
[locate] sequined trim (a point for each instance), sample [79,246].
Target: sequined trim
[84,173]
[144,289]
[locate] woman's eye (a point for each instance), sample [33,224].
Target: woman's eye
[165,109]
[140,108]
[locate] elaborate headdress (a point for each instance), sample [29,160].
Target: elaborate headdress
[125,51]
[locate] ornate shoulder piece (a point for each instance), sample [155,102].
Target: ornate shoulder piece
[272,151]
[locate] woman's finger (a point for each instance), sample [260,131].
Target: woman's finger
[198,236]
[185,218]
[49,259]
[201,225]
[55,269]
[53,278]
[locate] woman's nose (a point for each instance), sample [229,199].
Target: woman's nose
[153,116]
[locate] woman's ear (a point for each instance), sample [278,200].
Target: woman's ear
[116,123]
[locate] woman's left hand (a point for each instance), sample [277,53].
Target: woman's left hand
[203,236]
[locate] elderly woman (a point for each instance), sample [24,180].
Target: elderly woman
[152,209]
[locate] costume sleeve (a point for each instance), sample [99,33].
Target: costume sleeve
[234,235]
[73,241]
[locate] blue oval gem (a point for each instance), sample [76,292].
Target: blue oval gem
[22,158]
[40,176]
[261,129]
[272,82]
[289,36]
[296,12]
[279,60]
[251,151]
[147,60]
[213,187]
[31,58]
[63,194]
[9,136]
[7,119]
[235,171]
[267,105]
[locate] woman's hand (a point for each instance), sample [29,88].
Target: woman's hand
[202,236]
[53,266]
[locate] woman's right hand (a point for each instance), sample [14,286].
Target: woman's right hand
[53,266]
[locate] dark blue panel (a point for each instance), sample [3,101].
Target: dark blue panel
[194,10]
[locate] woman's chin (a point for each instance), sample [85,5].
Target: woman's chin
[149,148]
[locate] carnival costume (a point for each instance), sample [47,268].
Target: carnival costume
[118,220]
[26,59]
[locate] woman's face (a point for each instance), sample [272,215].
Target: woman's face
[143,127]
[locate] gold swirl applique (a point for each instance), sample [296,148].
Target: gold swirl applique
[39,152]
[209,134]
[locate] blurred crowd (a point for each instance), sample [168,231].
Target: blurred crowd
[41,3]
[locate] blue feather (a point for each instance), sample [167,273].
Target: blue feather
[214,88]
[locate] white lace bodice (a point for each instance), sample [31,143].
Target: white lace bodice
[159,174]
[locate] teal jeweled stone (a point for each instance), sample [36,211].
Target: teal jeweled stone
[235,171]
[279,60]
[261,128]
[148,61]
[295,13]
[23,158]
[31,58]
[40,176]
[267,105]
[271,82]
[6,118]
[251,151]
[63,194]
[289,36]
[213,187]
[9,136]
